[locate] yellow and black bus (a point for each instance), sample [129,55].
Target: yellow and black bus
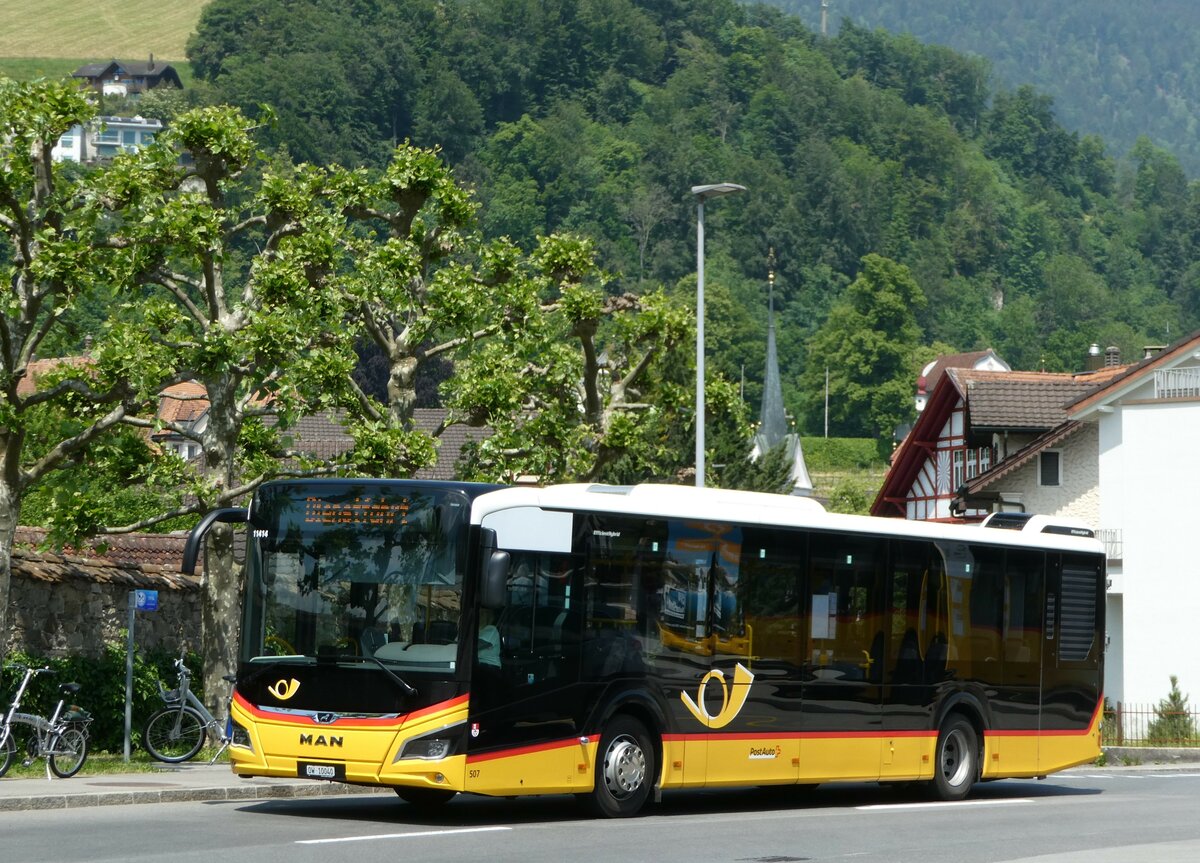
[616,642]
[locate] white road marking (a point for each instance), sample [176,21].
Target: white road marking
[944,804]
[401,835]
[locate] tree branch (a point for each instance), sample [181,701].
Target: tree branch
[70,446]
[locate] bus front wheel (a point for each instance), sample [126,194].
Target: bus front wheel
[624,773]
[426,799]
[956,766]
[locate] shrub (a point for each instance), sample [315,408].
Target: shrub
[1173,723]
[102,691]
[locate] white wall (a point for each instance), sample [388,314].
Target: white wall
[1150,480]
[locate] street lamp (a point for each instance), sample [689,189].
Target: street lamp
[703,193]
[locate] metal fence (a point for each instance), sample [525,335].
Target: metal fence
[1149,725]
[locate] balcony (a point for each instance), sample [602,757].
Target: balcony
[1114,543]
[1183,383]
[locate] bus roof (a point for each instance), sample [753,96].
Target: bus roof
[744,507]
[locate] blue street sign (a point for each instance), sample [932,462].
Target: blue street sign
[147,600]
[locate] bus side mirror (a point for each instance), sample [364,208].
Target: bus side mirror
[495,580]
[191,551]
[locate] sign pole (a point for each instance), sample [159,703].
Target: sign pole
[129,672]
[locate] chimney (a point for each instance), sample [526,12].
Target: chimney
[1152,351]
[1093,358]
[1112,357]
[150,65]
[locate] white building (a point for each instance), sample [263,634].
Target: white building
[104,138]
[1114,446]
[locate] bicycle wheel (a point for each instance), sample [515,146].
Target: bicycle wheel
[8,754]
[170,743]
[68,753]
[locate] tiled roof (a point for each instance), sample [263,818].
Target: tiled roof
[148,68]
[132,549]
[183,403]
[28,384]
[43,566]
[929,380]
[452,442]
[323,436]
[1018,400]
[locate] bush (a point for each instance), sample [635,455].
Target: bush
[102,690]
[1173,724]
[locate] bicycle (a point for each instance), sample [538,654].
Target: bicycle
[62,739]
[178,731]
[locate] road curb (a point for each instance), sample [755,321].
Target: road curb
[221,793]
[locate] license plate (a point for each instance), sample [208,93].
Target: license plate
[307,770]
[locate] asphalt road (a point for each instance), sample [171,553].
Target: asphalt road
[1093,815]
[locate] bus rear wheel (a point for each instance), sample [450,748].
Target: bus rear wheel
[956,766]
[624,773]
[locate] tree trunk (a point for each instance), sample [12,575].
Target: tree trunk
[10,510]
[220,617]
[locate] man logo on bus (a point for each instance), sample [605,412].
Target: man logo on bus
[284,689]
[730,707]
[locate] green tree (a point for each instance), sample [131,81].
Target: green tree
[228,265]
[1173,724]
[868,344]
[49,414]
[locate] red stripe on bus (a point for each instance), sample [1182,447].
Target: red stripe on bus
[522,750]
[381,722]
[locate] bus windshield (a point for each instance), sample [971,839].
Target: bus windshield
[349,570]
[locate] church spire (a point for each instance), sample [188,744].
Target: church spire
[773,421]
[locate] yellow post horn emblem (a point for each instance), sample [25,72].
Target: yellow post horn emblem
[284,689]
[730,707]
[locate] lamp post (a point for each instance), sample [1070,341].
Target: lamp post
[703,193]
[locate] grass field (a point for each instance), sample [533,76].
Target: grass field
[96,29]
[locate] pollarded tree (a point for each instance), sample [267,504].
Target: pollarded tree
[550,363]
[868,344]
[50,413]
[228,264]
[592,388]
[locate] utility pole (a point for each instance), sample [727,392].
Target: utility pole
[824,17]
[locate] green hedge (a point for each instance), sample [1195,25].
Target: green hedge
[103,688]
[842,453]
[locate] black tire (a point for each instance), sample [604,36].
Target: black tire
[70,751]
[956,764]
[164,743]
[8,754]
[426,799]
[625,770]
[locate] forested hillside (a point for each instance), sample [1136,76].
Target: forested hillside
[990,224]
[1114,68]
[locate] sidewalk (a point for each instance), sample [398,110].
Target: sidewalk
[168,784]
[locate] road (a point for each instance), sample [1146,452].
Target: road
[1093,815]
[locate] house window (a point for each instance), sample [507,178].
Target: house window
[971,472]
[1050,468]
[958,470]
[108,136]
[985,459]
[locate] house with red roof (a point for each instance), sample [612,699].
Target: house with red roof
[1114,446]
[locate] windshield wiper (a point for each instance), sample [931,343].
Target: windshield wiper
[408,688]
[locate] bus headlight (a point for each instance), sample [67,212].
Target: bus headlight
[430,748]
[239,736]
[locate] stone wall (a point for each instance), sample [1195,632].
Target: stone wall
[65,605]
